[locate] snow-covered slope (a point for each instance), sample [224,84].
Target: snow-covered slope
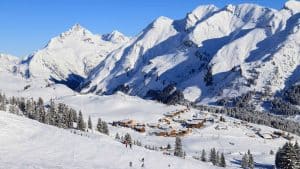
[29,144]
[228,43]
[73,54]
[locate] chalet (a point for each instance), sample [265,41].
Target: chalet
[250,134]
[171,133]
[160,132]
[165,120]
[194,123]
[170,114]
[221,127]
[175,113]
[202,118]
[152,125]
[256,129]
[178,120]
[126,123]
[163,127]
[265,135]
[183,131]
[210,119]
[139,128]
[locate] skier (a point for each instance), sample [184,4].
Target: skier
[143,164]
[125,142]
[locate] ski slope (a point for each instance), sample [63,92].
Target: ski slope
[28,144]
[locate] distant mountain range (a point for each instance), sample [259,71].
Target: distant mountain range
[209,55]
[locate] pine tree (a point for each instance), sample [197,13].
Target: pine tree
[245,160]
[2,102]
[99,125]
[80,122]
[212,156]
[128,138]
[105,128]
[169,146]
[222,161]
[12,109]
[208,78]
[203,156]
[90,126]
[217,158]
[250,160]
[286,157]
[297,150]
[41,110]
[117,137]
[178,147]
[29,109]
[102,127]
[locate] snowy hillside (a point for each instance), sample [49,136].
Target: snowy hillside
[29,144]
[47,145]
[242,48]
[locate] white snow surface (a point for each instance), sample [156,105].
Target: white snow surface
[40,146]
[28,144]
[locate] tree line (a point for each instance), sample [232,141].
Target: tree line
[254,116]
[55,114]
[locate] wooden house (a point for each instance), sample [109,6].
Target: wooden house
[139,128]
[194,123]
[152,125]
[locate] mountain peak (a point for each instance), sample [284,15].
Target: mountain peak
[115,37]
[77,27]
[161,21]
[8,56]
[292,5]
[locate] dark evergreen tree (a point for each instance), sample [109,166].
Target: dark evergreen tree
[245,161]
[203,156]
[250,160]
[117,137]
[208,78]
[217,158]
[178,147]
[222,161]
[80,122]
[105,128]
[90,126]
[169,146]
[41,111]
[286,157]
[128,138]
[213,156]
[297,150]
[99,125]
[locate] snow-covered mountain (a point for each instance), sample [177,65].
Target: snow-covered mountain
[70,56]
[7,62]
[212,53]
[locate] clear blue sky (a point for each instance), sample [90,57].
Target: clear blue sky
[27,25]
